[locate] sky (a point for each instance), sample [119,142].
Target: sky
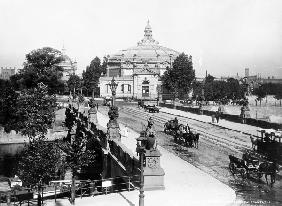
[223,36]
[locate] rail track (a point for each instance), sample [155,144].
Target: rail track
[215,134]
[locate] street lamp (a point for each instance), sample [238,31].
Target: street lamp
[113,86]
[141,150]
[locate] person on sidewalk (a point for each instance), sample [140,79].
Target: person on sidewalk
[213,118]
[217,116]
[126,131]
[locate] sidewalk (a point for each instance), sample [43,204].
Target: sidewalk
[184,184]
[222,122]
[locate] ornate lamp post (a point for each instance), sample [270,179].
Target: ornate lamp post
[141,150]
[113,86]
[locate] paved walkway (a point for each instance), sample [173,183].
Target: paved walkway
[184,184]
[222,122]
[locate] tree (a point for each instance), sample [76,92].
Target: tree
[278,92]
[209,79]
[76,152]
[234,90]
[74,83]
[41,65]
[39,160]
[34,113]
[260,93]
[179,78]
[92,74]
[197,90]
[8,101]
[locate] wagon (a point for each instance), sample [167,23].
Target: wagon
[244,167]
[150,108]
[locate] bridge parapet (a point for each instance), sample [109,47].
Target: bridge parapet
[120,155]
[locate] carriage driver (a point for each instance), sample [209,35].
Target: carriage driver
[176,122]
[150,122]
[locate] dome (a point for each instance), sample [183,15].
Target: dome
[147,50]
[66,59]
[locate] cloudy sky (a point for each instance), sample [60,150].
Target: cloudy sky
[223,36]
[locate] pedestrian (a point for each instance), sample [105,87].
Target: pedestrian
[213,118]
[126,131]
[217,115]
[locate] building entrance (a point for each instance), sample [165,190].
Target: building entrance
[145,91]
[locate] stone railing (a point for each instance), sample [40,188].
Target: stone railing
[120,152]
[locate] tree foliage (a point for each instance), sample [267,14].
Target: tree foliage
[214,90]
[93,73]
[179,78]
[34,112]
[41,65]
[260,92]
[8,102]
[39,160]
[74,82]
[77,154]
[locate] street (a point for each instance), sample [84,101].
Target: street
[211,157]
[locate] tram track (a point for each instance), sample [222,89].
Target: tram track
[233,142]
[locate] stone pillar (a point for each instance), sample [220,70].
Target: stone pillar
[153,173]
[113,129]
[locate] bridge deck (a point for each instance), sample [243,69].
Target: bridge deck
[184,184]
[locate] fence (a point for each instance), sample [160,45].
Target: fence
[229,117]
[84,188]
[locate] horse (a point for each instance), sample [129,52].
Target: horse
[254,142]
[269,168]
[196,138]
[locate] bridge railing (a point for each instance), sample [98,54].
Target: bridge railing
[119,151]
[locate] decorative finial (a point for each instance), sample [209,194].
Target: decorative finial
[63,49]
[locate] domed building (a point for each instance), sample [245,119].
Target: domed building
[137,70]
[69,66]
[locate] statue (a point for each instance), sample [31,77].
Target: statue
[113,129]
[151,143]
[245,112]
[92,114]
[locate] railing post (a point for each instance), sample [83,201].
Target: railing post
[55,192]
[91,188]
[9,199]
[129,184]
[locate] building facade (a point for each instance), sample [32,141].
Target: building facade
[6,73]
[138,69]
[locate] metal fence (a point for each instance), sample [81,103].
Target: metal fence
[57,189]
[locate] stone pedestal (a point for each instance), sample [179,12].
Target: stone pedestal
[153,173]
[113,130]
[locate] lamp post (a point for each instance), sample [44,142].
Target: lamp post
[113,86]
[141,150]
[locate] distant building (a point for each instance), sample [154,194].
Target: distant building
[6,73]
[68,65]
[137,70]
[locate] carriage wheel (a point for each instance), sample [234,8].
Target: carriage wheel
[232,168]
[243,173]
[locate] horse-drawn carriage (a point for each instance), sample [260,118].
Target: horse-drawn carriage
[251,166]
[149,106]
[268,143]
[182,134]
